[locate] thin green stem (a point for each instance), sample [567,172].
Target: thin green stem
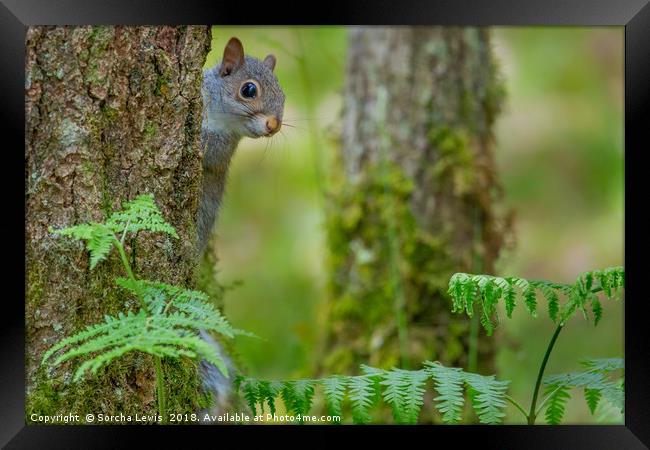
[124,258]
[534,410]
[546,399]
[160,381]
[126,228]
[160,387]
[533,413]
[517,405]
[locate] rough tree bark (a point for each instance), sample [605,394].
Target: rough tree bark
[414,200]
[111,113]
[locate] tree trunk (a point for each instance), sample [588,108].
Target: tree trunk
[414,198]
[111,113]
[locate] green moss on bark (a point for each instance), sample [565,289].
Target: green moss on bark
[362,285]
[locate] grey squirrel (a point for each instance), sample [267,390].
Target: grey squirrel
[241,97]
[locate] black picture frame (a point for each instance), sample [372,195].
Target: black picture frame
[634,15]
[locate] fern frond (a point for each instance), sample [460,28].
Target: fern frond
[140,214]
[467,289]
[99,239]
[193,306]
[611,282]
[169,328]
[449,384]
[170,334]
[402,389]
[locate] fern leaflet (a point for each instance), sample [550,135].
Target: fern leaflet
[334,389]
[362,395]
[449,384]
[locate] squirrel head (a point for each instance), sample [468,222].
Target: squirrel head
[242,94]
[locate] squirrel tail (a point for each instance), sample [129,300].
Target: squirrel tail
[215,382]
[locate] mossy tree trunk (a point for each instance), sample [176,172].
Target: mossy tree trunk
[111,113]
[414,199]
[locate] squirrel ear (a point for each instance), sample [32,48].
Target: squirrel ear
[233,57]
[269,62]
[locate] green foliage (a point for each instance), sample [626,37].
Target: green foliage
[363,396]
[139,214]
[449,384]
[169,320]
[99,239]
[159,335]
[334,389]
[193,306]
[556,404]
[601,379]
[403,390]
[167,327]
[488,397]
[485,392]
[380,260]
[298,395]
[466,290]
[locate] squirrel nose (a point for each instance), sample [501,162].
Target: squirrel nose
[272,124]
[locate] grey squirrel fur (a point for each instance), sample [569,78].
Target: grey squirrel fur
[227,117]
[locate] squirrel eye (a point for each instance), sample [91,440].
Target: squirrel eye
[249,90]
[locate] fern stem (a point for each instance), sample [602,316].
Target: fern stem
[160,387]
[123,257]
[533,413]
[517,405]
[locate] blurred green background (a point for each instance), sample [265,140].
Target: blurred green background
[559,154]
